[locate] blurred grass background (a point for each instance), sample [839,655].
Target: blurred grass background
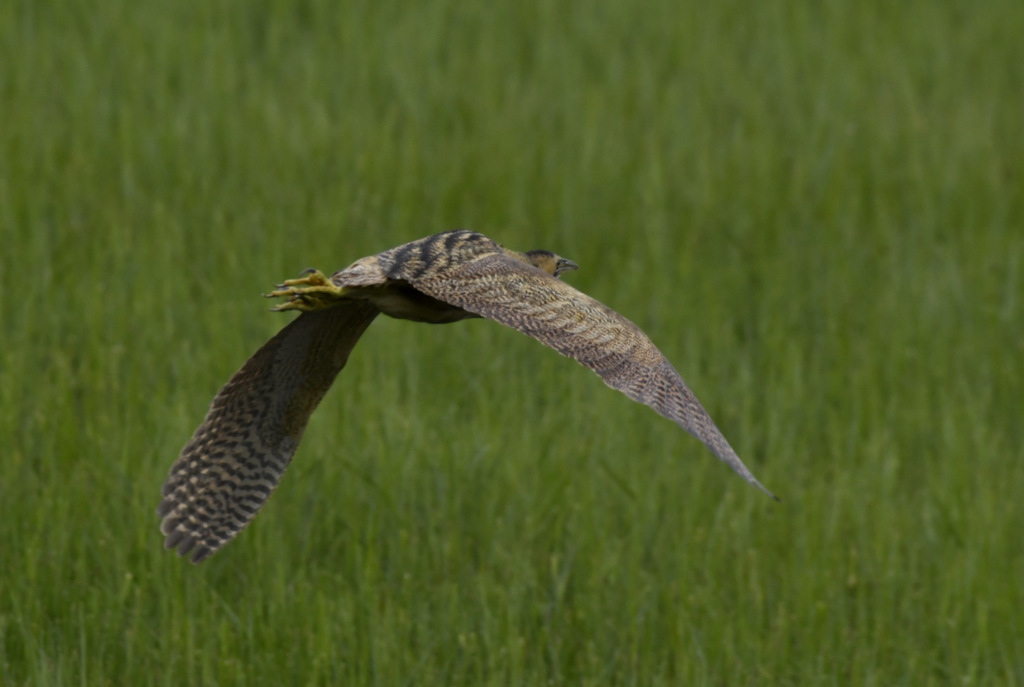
[814,208]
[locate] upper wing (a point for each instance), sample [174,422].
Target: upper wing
[237,455]
[523,297]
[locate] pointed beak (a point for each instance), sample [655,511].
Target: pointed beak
[565,265]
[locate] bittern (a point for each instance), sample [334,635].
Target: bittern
[236,457]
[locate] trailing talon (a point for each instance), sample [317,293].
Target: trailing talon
[311,292]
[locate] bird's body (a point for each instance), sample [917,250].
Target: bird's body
[236,457]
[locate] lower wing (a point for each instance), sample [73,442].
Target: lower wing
[236,457]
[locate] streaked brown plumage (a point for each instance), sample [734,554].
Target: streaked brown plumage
[235,459]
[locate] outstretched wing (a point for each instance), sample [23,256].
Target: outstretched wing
[236,457]
[502,288]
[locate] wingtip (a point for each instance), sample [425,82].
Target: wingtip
[753,480]
[762,488]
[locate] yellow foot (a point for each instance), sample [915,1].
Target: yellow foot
[311,291]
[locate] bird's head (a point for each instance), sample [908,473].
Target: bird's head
[549,262]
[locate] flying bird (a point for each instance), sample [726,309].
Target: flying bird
[235,459]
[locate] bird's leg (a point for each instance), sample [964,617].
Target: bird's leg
[311,291]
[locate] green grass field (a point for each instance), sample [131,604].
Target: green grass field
[816,209]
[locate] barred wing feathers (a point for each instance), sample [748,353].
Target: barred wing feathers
[506,290]
[236,457]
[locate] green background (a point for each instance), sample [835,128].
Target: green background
[816,210]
